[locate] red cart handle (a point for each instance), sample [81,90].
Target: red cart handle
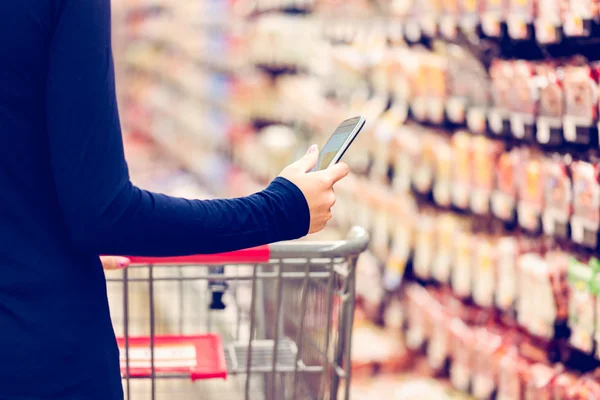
[256,255]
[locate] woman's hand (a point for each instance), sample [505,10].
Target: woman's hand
[316,186]
[113,263]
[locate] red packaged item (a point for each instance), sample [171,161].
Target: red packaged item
[580,17]
[502,75]
[462,151]
[557,197]
[551,104]
[485,157]
[581,102]
[504,197]
[524,100]
[461,366]
[585,221]
[548,21]
[531,193]
[521,15]
[493,16]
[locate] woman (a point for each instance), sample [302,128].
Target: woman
[66,198]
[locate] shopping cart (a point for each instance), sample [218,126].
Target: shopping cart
[270,323]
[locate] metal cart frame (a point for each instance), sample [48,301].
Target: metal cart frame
[279,317]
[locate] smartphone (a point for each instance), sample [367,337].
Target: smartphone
[338,143]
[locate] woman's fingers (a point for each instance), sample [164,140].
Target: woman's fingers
[112,263]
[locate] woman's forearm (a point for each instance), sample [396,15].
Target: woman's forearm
[144,223]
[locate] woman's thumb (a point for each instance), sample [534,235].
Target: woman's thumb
[309,160]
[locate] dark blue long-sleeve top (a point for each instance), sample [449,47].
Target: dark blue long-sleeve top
[66,197]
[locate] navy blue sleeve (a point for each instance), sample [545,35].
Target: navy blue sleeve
[104,212]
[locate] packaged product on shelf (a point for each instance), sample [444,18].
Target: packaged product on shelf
[557,197]
[501,74]
[404,219]
[405,152]
[417,303]
[485,159]
[369,290]
[484,271]
[511,370]
[489,347]
[504,197]
[446,228]
[384,135]
[438,347]
[364,212]
[506,271]
[419,85]
[548,21]
[536,303]
[401,70]
[449,19]
[581,102]
[492,17]
[413,32]
[524,100]
[595,289]
[462,150]
[443,172]
[436,73]
[588,387]
[580,17]
[424,169]
[521,14]
[470,11]
[382,221]
[551,104]
[585,221]
[462,264]
[428,12]
[558,263]
[425,244]
[582,321]
[478,84]
[531,193]
[461,365]
[563,385]
[539,382]
[458,84]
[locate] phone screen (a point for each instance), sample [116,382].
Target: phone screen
[333,146]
